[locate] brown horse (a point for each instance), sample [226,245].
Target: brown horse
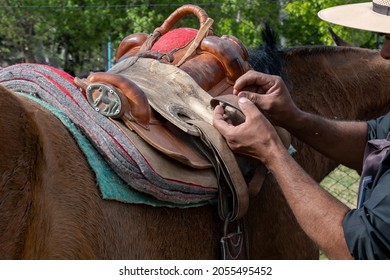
[51,208]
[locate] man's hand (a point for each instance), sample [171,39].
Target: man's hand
[256,137]
[270,94]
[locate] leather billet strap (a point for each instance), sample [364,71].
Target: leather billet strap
[202,33]
[233,201]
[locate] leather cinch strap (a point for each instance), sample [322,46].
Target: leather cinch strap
[233,201]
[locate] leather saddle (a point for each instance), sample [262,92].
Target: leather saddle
[164,87]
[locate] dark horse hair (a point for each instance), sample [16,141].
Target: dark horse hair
[265,58]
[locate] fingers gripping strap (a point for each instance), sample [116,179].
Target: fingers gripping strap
[232,185]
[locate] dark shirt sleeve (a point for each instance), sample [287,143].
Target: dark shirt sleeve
[379,128]
[367,230]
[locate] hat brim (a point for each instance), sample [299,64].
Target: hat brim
[359,16]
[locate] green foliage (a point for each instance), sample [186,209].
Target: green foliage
[302,26]
[74,34]
[245,19]
[17,29]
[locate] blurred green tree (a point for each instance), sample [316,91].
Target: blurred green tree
[301,25]
[82,35]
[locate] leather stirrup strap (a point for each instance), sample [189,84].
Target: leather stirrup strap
[233,198]
[254,186]
[234,244]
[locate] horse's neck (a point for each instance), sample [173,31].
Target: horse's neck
[340,83]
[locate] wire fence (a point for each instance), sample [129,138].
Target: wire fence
[343,183]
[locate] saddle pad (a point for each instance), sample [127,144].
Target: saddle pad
[57,89]
[111,186]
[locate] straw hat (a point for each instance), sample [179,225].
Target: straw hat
[370,16]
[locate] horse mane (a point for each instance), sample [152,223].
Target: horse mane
[266,58]
[319,50]
[270,58]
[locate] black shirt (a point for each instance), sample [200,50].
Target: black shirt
[367,229]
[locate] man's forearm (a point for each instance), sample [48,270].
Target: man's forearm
[319,214]
[341,141]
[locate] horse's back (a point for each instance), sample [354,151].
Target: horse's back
[51,207]
[44,185]
[17,170]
